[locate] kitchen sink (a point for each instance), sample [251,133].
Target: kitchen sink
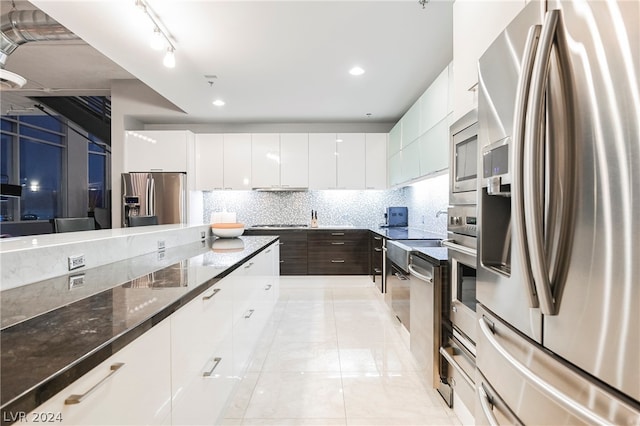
[398,250]
[421,243]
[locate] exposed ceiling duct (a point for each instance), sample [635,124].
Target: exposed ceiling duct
[24,26]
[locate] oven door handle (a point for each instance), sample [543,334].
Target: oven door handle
[460,248]
[452,362]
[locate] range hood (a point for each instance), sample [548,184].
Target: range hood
[280,189]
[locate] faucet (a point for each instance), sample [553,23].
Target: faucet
[441,212]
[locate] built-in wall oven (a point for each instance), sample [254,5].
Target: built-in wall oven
[459,319]
[462,266]
[463,157]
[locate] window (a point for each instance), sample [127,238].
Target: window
[97,183]
[63,170]
[33,150]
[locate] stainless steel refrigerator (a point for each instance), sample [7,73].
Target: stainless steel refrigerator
[154,194]
[558,278]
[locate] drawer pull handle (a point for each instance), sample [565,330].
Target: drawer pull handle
[215,291]
[337,234]
[77,399]
[282,261]
[249,265]
[251,311]
[378,249]
[338,243]
[216,361]
[377,238]
[268,251]
[337,261]
[267,288]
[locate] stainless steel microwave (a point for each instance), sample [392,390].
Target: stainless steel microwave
[463,167]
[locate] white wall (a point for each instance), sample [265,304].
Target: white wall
[131,101]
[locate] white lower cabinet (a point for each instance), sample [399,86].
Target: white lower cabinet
[184,369]
[131,387]
[202,357]
[254,289]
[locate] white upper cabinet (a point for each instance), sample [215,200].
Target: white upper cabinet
[351,157]
[395,139]
[411,125]
[209,164]
[376,161]
[434,151]
[265,160]
[395,169]
[322,161]
[294,160]
[475,25]
[237,161]
[411,161]
[158,150]
[434,103]
[424,147]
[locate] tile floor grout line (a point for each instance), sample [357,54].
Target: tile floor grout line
[335,325]
[259,373]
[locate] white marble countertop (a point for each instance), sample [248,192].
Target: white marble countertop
[28,259]
[48,240]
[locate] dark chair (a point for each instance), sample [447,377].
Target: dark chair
[73,224]
[142,220]
[102,217]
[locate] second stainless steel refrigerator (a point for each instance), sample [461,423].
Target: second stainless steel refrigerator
[558,279]
[154,194]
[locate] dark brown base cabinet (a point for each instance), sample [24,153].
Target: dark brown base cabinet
[321,252]
[377,256]
[293,249]
[333,252]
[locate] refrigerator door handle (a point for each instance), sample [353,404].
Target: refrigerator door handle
[564,400]
[151,196]
[533,203]
[519,130]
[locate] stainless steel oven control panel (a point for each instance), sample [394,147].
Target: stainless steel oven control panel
[463,220]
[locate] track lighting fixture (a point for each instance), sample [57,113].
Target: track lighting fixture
[160,38]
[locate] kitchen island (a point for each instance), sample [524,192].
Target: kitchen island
[48,343]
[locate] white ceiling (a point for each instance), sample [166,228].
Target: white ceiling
[275,61]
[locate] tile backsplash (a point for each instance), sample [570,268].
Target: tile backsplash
[335,207]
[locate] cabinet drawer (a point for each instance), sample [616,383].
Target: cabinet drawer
[357,236]
[131,387]
[338,266]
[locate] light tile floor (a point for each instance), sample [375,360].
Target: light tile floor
[332,354]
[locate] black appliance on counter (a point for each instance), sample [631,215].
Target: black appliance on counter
[397,216]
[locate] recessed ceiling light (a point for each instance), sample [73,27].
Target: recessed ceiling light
[356,71]
[218,102]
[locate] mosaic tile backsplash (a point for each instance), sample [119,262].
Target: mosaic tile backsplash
[335,207]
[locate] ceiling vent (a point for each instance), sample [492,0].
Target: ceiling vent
[24,26]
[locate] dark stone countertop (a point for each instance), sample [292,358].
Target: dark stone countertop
[48,350]
[407,233]
[437,256]
[392,233]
